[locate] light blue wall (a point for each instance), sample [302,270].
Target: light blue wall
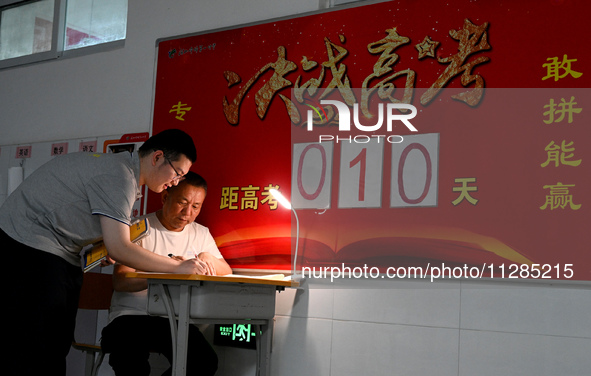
[111,92]
[456,328]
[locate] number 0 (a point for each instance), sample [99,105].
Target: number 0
[401,164]
[301,189]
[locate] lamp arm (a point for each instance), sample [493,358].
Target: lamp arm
[295,256]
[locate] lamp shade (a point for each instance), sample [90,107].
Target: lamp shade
[279,197]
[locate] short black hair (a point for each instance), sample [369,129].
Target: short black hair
[173,143]
[192,179]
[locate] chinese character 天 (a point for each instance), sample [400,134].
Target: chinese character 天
[465,191]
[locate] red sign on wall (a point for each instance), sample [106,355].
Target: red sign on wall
[495,175]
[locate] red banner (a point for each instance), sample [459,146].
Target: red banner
[494,177]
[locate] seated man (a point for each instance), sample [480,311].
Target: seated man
[131,334]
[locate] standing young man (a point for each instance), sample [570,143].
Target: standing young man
[66,204]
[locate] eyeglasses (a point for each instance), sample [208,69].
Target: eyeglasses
[178,176]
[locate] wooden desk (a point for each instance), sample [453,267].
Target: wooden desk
[201,299]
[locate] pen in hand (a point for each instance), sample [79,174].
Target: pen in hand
[202,267]
[178,258]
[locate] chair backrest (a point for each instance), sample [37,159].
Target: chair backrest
[96,292]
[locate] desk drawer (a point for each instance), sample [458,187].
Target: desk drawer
[220,301]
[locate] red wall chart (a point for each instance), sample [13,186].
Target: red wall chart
[496,176]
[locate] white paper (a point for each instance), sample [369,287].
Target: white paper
[15,178]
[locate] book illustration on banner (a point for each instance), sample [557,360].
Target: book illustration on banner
[413,246]
[98,251]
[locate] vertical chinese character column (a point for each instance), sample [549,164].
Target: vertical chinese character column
[560,153]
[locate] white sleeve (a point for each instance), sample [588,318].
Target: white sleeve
[208,243]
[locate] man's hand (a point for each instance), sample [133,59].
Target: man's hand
[192,266]
[209,260]
[107,261]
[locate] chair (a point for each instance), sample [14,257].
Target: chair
[95,294]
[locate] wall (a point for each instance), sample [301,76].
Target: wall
[459,328]
[398,328]
[111,92]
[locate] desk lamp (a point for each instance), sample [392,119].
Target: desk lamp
[283,201]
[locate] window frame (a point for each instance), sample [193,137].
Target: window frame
[57,50]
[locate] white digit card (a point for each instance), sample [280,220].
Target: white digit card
[311,175]
[360,174]
[415,164]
